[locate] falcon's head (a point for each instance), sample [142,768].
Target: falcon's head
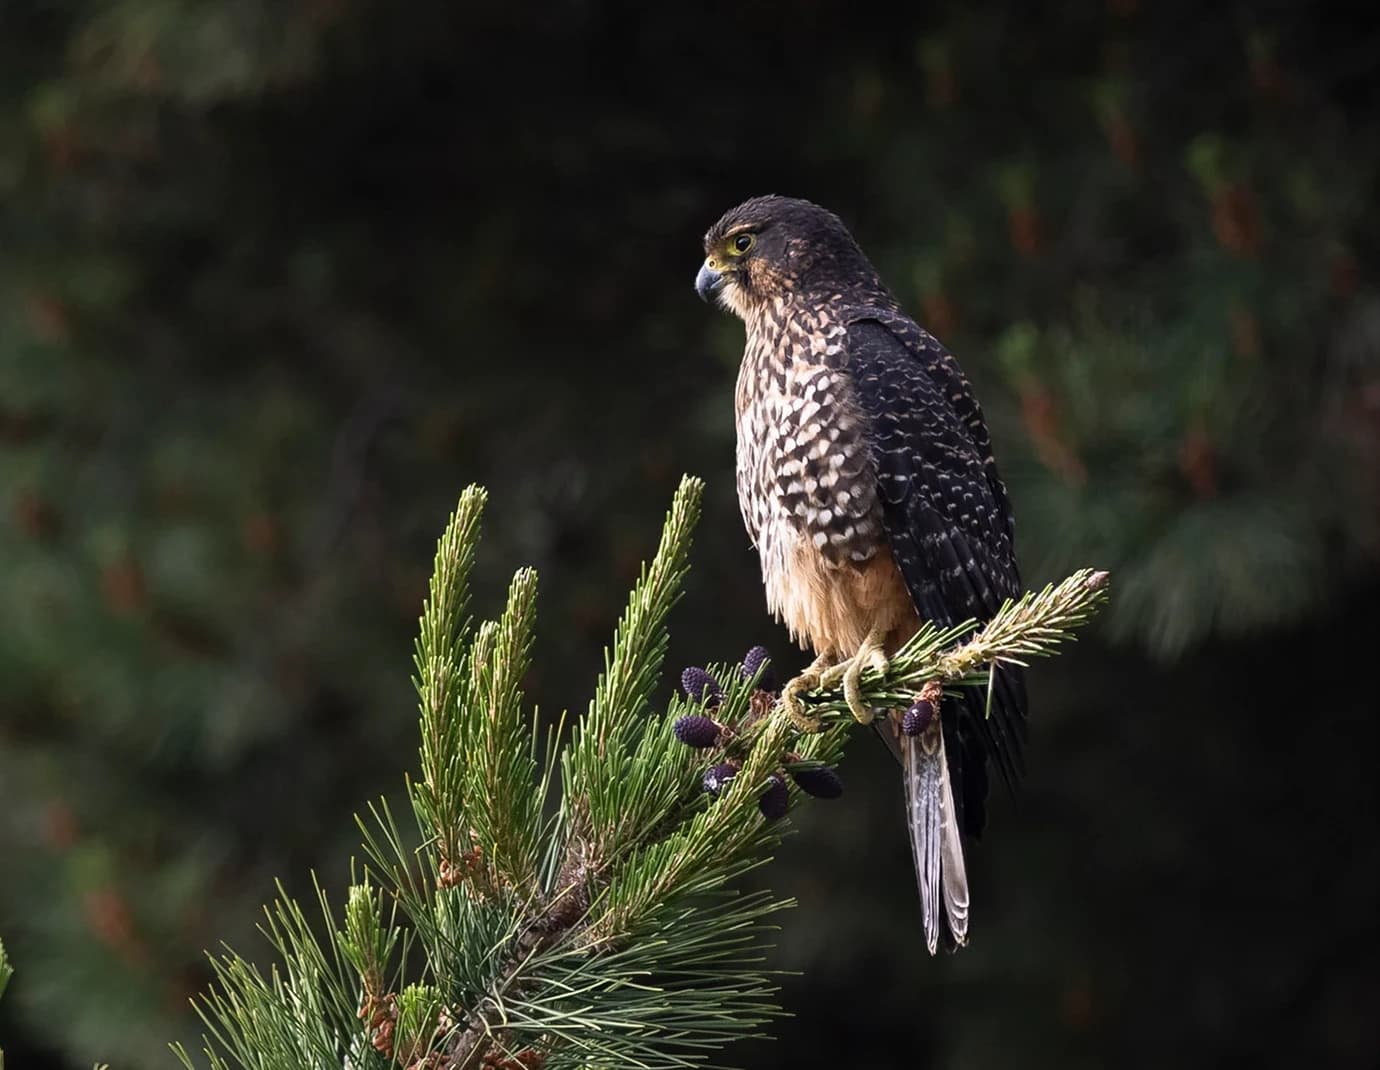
[770,247]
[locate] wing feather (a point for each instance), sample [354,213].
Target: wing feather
[947,518]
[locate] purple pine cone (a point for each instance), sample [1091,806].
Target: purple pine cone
[717,777]
[696,730]
[701,687]
[776,800]
[753,660]
[822,783]
[917,718]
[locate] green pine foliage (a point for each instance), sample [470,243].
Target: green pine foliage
[607,930]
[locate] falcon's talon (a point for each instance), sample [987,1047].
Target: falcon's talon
[869,656]
[791,704]
[794,708]
[852,694]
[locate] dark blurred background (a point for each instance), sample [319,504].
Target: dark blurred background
[278,278]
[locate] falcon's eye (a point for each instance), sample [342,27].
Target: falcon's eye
[741,244]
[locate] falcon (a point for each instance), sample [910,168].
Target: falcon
[867,484]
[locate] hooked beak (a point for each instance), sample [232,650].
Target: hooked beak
[708,282]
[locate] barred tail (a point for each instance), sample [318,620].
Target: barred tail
[934,836]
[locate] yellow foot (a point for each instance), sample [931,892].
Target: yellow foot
[791,703]
[869,656]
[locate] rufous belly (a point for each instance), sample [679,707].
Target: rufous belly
[832,608]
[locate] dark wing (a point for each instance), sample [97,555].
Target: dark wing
[948,522]
[941,366]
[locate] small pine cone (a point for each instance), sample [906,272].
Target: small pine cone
[776,800]
[717,777]
[918,717]
[753,660]
[696,730]
[822,783]
[701,687]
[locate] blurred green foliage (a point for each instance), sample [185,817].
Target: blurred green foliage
[277,279]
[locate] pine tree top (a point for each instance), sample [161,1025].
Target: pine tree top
[519,926]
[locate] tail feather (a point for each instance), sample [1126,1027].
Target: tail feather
[935,842]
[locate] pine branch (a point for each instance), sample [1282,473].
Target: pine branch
[610,935]
[609,787]
[1032,626]
[503,810]
[441,665]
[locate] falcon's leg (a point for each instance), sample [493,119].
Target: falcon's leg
[869,656]
[808,680]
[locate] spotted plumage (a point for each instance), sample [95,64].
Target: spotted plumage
[867,483]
